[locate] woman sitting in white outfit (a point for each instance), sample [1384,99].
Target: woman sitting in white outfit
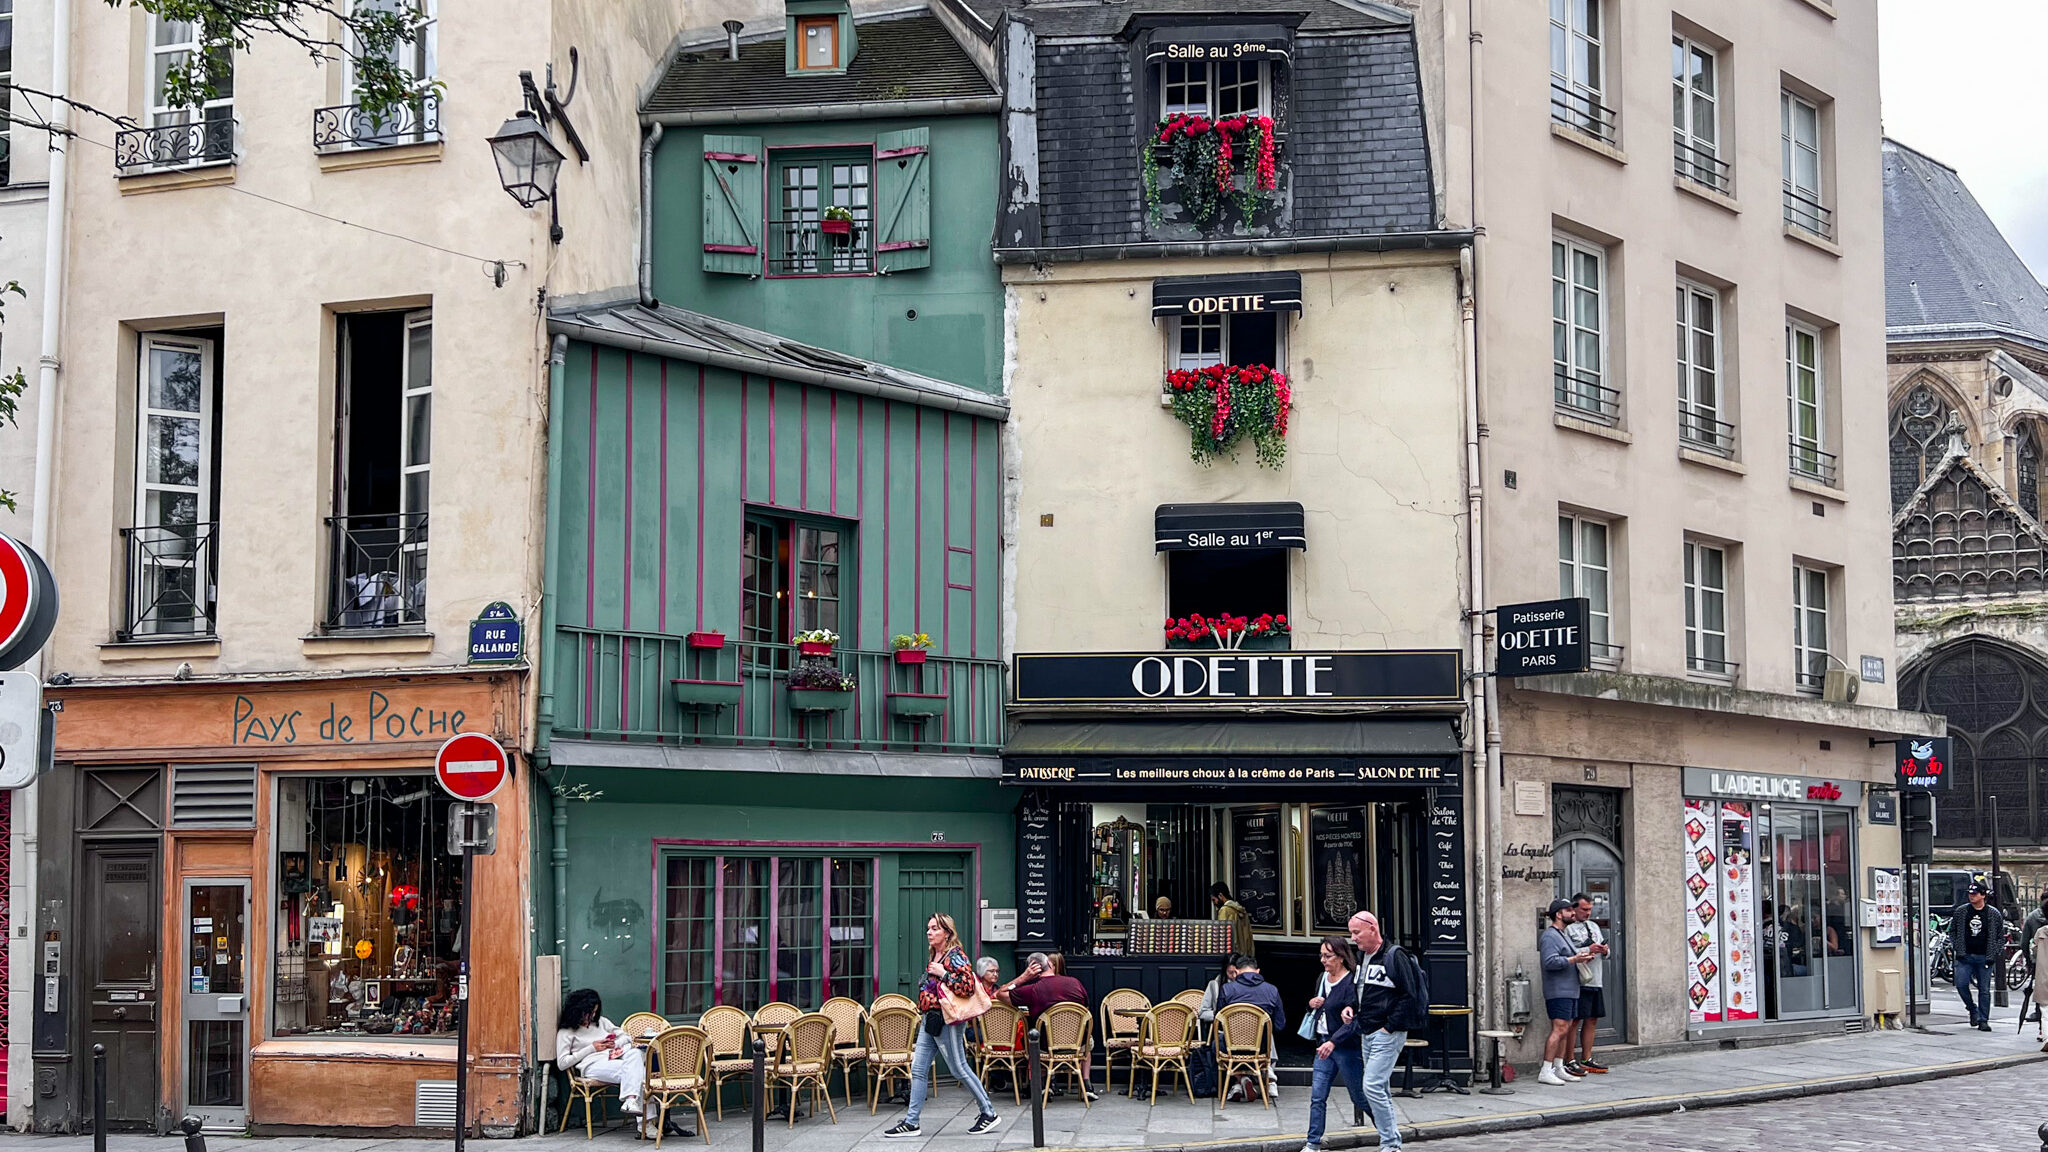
[592,1047]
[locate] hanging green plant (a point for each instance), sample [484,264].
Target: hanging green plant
[1203,155]
[1225,403]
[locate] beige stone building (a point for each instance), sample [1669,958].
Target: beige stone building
[1679,209]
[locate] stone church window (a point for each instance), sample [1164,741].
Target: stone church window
[1920,441]
[1996,701]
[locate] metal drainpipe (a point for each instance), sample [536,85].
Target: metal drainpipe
[544,710]
[647,144]
[1476,736]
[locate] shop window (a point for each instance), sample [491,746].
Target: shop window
[1246,582]
[1243,339]
[1808,919]
[1215,89]
[378,534]
[746,930]
[790,582]
[370,907]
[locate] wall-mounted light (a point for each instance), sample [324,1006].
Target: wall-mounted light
[528,160]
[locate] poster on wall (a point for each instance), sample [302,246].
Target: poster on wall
[1702,913]
[1336,839]
[1255,874]
[1888,887]
[1741,995]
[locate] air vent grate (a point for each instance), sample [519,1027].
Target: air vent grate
[213,795]
[433,1103]
[1852,1026]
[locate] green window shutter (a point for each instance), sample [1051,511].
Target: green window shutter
[903,189]
[732,204]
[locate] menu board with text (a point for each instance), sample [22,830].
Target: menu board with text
[1337,866]
[1255,865]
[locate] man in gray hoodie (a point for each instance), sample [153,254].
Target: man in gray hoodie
[1560,991]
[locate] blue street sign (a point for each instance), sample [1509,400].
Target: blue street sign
[497,636]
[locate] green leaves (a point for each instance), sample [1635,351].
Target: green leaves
[12,385]
[377,37]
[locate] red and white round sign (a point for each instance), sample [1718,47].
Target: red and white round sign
[471,766]
[28,603]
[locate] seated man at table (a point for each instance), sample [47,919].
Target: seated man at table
[1248,986]
[1043,983]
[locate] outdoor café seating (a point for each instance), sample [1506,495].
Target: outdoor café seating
[678,1072]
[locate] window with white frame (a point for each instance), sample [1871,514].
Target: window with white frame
[1805,207]
[1701,419]
[170,547]
[1585,567]
[209,135]
[1578,67]
[1805,404]
[383,489]
[1217,89]
[414,121]
[1706,610]
[1809,628]
[1578,330]
[1241,338]
[1696,114]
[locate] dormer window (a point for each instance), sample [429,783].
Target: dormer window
[817,43]
[819,37]
[1215,89]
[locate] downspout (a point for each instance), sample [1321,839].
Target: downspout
[1477,733]
[647,144]
[544,714]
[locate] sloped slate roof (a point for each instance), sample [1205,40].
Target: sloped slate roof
[900,57]
[1949,273]
[1097,18]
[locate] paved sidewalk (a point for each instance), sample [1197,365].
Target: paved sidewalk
[1651,1085]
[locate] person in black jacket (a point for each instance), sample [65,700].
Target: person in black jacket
[1337,1050]
[1977,930]
[1391,1000]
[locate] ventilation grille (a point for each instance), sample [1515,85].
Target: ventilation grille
[213,795]
[433,1103]
[1852,1026]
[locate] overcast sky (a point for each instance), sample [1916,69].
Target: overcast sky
[1964,82]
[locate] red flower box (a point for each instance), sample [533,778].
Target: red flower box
[836,227]
[910,655]
[705,639]
[811,648]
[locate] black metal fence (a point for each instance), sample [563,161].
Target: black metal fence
[170,571]
[379,571]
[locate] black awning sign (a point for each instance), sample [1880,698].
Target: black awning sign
[1231,678]
[1924,762]
[1542,638]
[1225,295]
[1227,527]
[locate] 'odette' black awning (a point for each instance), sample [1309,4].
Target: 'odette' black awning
[1218,42]
[1205,295]
[1228,527]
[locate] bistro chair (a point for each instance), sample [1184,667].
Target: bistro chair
[776,1012]
[642,1026]
[591,1093]
[892,1041]
[726,1028]
[1165,1041]
[679,1070]
[1243,1036]
[806,1062]
[1000,1047]
[1120,1032]
[1067,1043]
[892,1000]
[847,1049]
[1192,997]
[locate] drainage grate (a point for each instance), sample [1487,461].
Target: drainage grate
[433,1103]
[213,795]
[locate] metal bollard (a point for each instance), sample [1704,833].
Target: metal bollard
[761,1096]
[1033,1072]
[194,1142]
[99,1098]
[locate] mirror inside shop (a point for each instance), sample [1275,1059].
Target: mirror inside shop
[369,907]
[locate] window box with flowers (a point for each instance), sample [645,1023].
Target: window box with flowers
[817,686]
[911,649]
[1225,404]
[1206,167]
[816,642]
[1266,632]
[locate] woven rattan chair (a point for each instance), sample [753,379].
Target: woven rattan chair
[806,1062]
[1120,1033]
[679,1069]
[591,1093]
[1192,997]
[1067,1041]
[776,1012]
[642,1025]
[999,1048]
[892,1042]
[1244,1039]
[892,1000]
[730,1058]
[848,1047]
[1165,1041]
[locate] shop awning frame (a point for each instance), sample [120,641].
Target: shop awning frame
[1409,754]
[1257,524]
[1242,292]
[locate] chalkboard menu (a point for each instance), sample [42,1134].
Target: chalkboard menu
[1445,851]
[1337,866]
[1255,873]
[1034,875]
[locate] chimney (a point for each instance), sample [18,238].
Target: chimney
[732,39]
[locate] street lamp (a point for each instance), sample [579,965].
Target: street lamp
[528,161]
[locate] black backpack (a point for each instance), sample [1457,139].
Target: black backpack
[1411,1014]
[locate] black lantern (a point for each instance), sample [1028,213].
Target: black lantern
[528,161]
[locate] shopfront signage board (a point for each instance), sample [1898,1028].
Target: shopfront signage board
[1542,638]
[1720,784]
[1179,680]
[471,766]
[1923,762]
[496,636]
[1279,772]
[1035,855]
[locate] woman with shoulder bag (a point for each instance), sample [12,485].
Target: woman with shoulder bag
[951,996]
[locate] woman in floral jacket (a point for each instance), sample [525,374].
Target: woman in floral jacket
[950,973]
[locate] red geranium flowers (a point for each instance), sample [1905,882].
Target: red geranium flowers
[1225,403]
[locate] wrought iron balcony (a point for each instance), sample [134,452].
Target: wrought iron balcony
[172,146]
[378,569]
[801,247]
[1708,666]
[1810,463]
[1583,394]
[1580,111]
[613,683]
[1608,656]
[1700,165]
[1697,428]
[1807,214]
[347,127]
[170,572]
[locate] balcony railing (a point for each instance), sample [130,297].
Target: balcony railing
[346,127]
[799,247]
[1810,683]
[378,567]
[1700,165]
[1583,394]
[1608,656]
[172,146]
[1806,213]
[1579,110]
[1809,462]
[170,581]
[1708,666]
[1697,428]
[613,683]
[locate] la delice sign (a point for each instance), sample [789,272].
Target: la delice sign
[1223,677]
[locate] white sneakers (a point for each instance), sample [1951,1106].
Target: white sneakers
[1554,1073]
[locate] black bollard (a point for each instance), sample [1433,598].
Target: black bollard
[2042,1132]
[99,1098]
[1033,1072]
[760,1096]
[194,1142]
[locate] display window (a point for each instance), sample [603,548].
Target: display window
[369,907]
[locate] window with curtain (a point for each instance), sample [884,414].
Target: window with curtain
[1809,628]
[1578,330]
[746,930]
[1805,404]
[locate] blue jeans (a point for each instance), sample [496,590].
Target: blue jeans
[952,1044]
[1343,1062]
[1974,971]
[1382,1051]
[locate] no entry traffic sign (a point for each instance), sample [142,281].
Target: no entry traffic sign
[471,766]
[28,603]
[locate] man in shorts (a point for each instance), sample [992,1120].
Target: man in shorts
[1585,936]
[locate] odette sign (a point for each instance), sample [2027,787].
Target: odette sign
[1539,639]
[1231,677]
